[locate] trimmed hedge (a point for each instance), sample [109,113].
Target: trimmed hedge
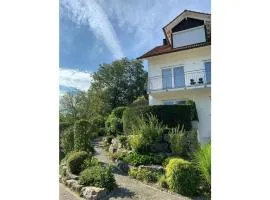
[144,175]
[170,115]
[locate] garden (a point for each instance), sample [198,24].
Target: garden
[155,145]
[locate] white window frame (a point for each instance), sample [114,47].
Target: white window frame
[172,67]
[173,100]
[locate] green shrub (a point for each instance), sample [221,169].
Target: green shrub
[182,177]
[97,124]
[64,125]
[124,141]
[183,143]
[136,159]
[169,115]
[82,136]
[114,124]
[167,160]
[143,175]
[147,131]
[98,176]
[67,140]
[162,181]
[75,161]
[90,162]
[140,101]
[203,162]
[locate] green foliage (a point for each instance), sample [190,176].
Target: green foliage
[63,126]
[98,176]
[169,115]
[75,161]
[183,143]
[124,141]
[90,162]
[114,124]
[122,82]
[182,177]
[203,162]
[162,181]
[140,101]
[136,159]
[67,140]
[144,174]
[82,136]
[194,114]
[167,160]
[147,131]
[97,124]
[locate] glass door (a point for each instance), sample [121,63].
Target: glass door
[208,72]
[167,78]
[179,77]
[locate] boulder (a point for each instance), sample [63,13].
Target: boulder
[159,148]
[93,193]
[153,168]
[76,187]
[71,182]
[71,176]
[122,165]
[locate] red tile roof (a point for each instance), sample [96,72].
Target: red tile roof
[164,49]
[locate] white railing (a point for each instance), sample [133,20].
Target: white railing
[188,79]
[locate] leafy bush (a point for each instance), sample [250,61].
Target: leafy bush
[169,115]
[124,141]
[136,159]
[97,124]
[140,101]
[98,176]
[90,162]
[183,143]
[114,124]
[75,161]
[147,131]
[167,160]
[64,125]
[203,162]
[194,114]
[182,177]
[67,140]
[162,181]
[82,136]
[143,174]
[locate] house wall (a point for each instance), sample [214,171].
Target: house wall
[191,60]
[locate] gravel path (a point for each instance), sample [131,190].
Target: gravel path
[129,188]
[66,194]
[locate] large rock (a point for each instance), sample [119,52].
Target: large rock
[71,182]
[71,176]
[159,148]
[93,193]
[76,187]
[122,165]
[153,168]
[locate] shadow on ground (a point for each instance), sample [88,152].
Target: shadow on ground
[120,192]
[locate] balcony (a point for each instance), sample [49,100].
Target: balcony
[187,80]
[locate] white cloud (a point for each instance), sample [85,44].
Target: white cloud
[89,12]
[75,78]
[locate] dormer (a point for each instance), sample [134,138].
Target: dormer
[188,28]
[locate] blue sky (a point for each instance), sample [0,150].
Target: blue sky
[93,32]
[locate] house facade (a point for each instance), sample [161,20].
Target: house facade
[180,69]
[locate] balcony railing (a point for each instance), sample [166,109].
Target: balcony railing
[189,79]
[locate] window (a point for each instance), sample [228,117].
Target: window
[174,102]
[173,77]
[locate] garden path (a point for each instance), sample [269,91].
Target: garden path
[129,188]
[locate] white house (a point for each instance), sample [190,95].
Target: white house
[180,69]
